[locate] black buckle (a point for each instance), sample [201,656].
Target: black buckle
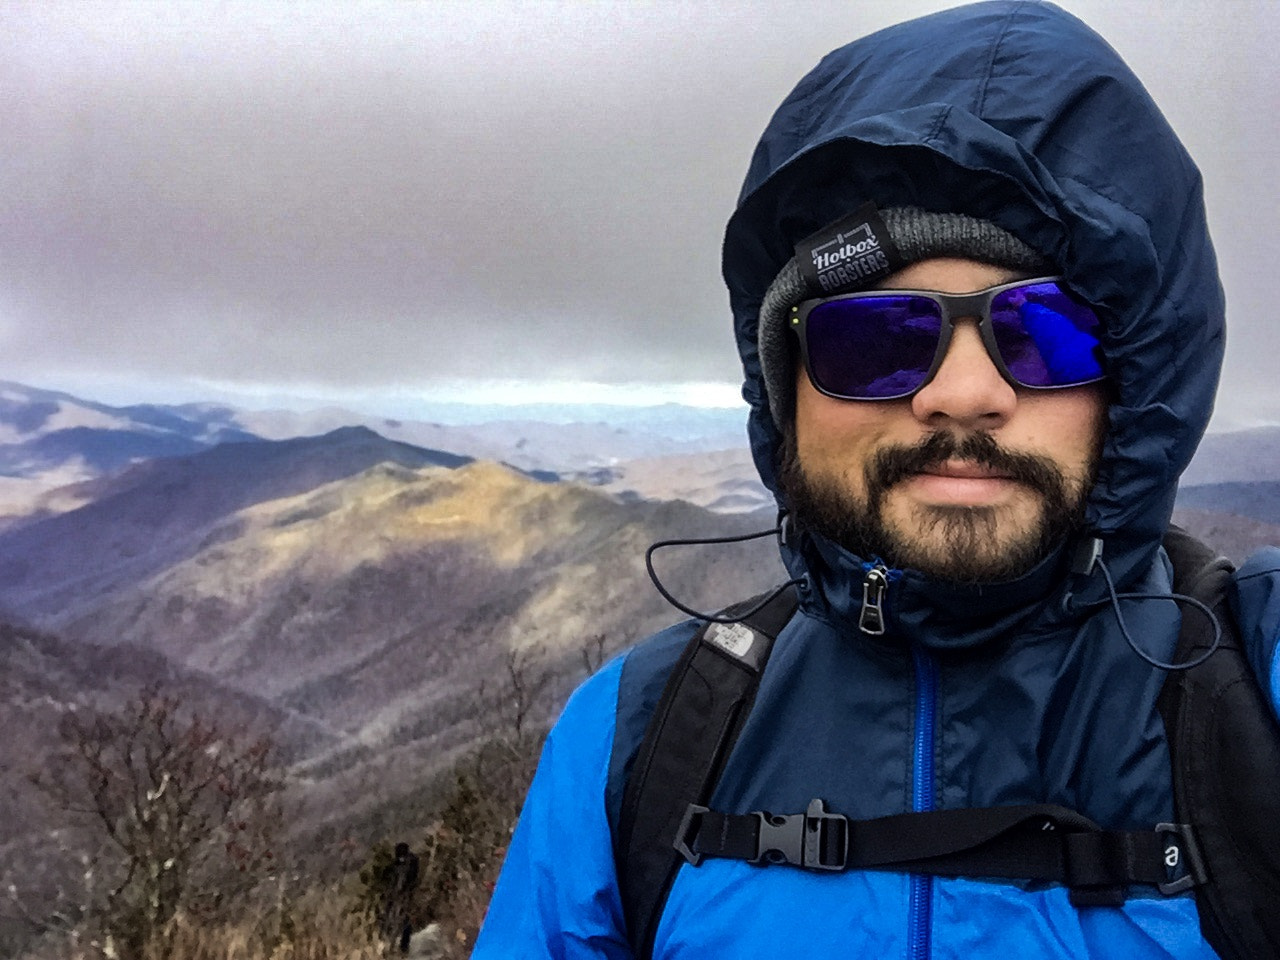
[781,838]
[1182,855]
[801,839]
[686,831]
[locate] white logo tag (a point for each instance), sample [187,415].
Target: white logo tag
[735,638]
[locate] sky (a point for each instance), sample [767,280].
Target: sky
[368,203]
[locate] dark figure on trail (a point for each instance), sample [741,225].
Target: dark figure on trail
[399,879]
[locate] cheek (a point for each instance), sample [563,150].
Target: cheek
[825,424]
[1070,424]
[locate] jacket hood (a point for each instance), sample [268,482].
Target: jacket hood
[1017,113]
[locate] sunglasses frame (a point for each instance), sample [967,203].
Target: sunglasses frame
[954,306]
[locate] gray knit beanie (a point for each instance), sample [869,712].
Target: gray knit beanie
[918,235]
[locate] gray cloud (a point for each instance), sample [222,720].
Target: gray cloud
[347,195]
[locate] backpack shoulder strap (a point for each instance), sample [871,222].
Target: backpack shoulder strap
[1198,570]
[1225,748]
[695,725]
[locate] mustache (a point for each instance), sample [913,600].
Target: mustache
[892,465]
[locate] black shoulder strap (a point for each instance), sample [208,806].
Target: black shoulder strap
[1225,745]
[696,723]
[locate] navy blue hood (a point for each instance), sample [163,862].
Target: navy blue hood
[1017,113]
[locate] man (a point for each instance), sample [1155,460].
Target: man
[399,880]
[976,471]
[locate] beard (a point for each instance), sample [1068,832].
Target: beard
[958,544]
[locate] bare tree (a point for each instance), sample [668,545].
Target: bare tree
[184,811]
[593,653]
[508,706]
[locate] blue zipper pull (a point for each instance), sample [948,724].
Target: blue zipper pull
[874,584]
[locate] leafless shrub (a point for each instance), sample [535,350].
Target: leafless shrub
[317,925]
[508,706]
[181,815]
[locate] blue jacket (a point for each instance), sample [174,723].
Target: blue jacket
[976,696]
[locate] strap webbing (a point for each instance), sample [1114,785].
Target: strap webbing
[1040,842]
[686,743]
[1225,744]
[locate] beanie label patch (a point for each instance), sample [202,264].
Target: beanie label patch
[850,253]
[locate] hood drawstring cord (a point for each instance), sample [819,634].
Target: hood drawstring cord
[1115,599]
[779,531]
[1089,556]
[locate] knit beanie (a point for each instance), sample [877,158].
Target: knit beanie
[918,235]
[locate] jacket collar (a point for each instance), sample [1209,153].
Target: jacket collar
[921,610]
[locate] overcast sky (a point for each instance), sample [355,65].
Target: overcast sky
[371,200]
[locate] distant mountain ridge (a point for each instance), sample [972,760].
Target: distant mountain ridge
[41,429]
[54,445]
[1259,500]
[160,511]
[1240,456]
[515,436]
[348,501]
[50,440]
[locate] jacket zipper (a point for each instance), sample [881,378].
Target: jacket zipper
[872,620]
[874,584]
[920,912]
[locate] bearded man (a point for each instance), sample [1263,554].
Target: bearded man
[981,325]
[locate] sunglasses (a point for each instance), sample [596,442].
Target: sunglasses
[887,344]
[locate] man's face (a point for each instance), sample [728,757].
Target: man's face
[970,480]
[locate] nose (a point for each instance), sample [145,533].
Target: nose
[967,391]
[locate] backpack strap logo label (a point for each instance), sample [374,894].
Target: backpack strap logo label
[735,639]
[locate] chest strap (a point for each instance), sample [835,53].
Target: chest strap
[1040,842]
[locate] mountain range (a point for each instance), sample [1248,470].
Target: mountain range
[160,511]
[50,440]
[358,597]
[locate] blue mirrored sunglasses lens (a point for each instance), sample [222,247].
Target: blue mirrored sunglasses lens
[1046,337]
[872,348]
